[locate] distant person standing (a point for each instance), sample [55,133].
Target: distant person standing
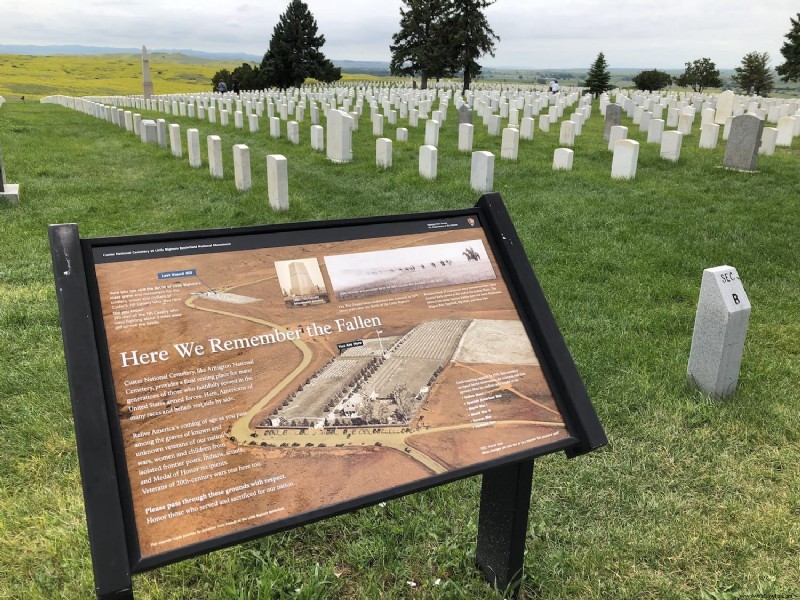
[554,87]
[221,87]
[235,86]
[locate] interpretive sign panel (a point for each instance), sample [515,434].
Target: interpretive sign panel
[260,378]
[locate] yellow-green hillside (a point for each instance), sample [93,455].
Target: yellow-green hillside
[38,76]
[79,75]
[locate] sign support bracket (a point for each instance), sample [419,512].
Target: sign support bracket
[503,524]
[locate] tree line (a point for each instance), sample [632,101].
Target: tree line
[445,38]
[442,38]
[437,38]
[752,76]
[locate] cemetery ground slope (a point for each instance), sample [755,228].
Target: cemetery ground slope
[691,496]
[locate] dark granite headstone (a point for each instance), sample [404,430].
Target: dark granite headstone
[464,114]
[2,175]
[613,114]
[741,151]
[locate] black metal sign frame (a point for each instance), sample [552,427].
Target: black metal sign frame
[106,481]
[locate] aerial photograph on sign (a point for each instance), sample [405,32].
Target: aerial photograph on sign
[260,384]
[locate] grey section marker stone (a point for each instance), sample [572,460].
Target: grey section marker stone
[720,327]
[464,114]
[744,140]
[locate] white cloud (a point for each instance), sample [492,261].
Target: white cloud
[567,33]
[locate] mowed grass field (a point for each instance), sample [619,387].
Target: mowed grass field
[692,498]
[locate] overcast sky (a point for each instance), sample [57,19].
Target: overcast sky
[551,34]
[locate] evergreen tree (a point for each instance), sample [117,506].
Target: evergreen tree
[421,45]
[249,75]
[222,75]
[470,36]
[652,80]
[754,74]
[249,78]
[699,75]
[790,70]
[294,53]
[598,78]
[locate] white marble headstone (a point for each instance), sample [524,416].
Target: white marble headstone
[383,153]
[509,148]
[175,140]
[214,143]
[278,181]
[465,137]
[562,159]
[241,167]
[340,136]
[193,146]
[428,158]
[625,160]
[482,171]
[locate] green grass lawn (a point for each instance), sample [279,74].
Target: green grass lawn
[691,498]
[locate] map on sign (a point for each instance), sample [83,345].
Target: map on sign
[260,377]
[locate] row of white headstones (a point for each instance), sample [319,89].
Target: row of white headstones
[341,123]
[491,105]
[723,309]
[646,111]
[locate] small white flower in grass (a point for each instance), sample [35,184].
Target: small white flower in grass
[382,504]
[437,582]
[411,584]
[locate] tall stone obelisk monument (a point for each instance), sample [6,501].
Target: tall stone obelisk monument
[147,80]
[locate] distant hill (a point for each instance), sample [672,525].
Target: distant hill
[371,67]
[28,70]
[366,67]
[91,50]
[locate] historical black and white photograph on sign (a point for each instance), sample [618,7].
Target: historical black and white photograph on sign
[301,282]
[406,269]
